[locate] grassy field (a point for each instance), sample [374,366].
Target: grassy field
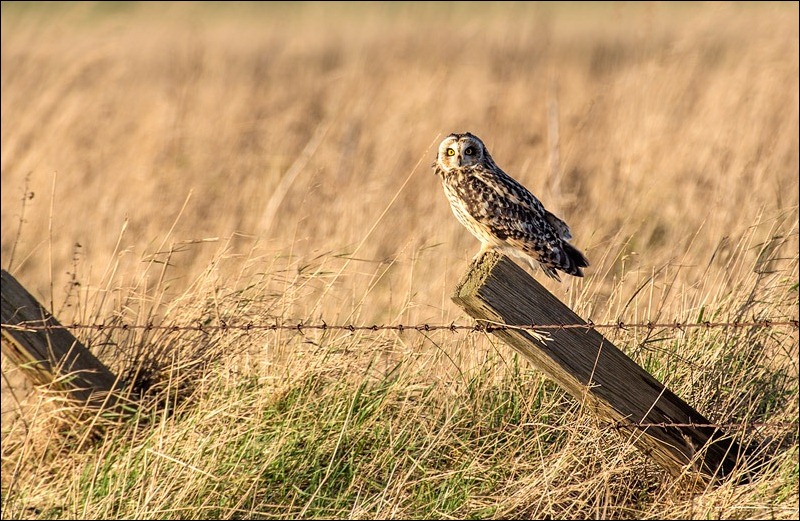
[192,164]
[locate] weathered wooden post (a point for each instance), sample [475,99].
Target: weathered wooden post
[592,369]
[47,353]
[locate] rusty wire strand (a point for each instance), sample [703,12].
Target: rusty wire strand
[453,327]
[732,425]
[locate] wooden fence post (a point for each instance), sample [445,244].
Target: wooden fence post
[592,369]
[51,355]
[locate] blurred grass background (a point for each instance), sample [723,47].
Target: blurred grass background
[677,129]
[275,157]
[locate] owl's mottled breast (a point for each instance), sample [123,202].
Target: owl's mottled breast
[477,196]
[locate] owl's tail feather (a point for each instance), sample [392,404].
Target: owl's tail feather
[569,261]
[572,260]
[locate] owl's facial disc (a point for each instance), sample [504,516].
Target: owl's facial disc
[459,150]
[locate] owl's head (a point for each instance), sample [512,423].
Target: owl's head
[461,150]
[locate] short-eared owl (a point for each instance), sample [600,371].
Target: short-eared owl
[499,211]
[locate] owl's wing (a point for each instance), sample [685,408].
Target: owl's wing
[519,210]
[560,226]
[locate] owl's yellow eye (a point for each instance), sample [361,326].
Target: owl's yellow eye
[451,152]
[469,151]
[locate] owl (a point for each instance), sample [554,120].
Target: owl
[501,212]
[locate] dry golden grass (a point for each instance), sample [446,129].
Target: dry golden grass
[677,126]
[272,162]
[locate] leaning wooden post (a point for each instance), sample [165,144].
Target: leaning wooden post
[592,369]
[47,353]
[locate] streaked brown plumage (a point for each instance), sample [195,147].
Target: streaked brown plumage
[501,212]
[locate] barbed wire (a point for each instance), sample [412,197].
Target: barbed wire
[481,326]
[723,425]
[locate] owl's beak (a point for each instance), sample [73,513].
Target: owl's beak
[459,160]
